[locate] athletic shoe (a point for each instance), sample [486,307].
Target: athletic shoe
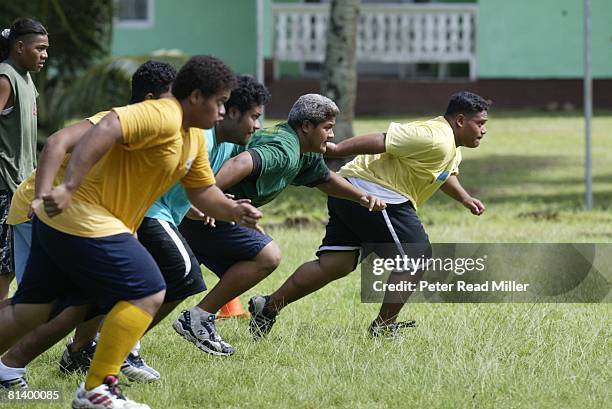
[200,329]
[262,319]
[389,330]
[20,382]
[77,361]
[136,369]
[106,396]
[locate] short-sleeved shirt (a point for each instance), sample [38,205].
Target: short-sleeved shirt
[155,154]
[18,129]
[20,205]
[174,204]
[419,157]
[277,150]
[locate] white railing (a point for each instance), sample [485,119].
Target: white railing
[390,33]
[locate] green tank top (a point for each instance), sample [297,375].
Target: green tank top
[18,130]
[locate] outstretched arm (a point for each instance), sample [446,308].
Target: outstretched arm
[357,145]
[87,152]
[234,170]
[339,187]
[213,202]
[453,188]
[54,152]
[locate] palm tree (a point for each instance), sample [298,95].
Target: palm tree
[339,79]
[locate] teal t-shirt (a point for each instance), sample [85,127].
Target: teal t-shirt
[277,150]
[174,204]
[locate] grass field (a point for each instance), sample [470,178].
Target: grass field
[529,174]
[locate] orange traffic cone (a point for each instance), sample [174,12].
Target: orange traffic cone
[232,309]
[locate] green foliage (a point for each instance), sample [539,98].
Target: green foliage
[105,84]
[79,35]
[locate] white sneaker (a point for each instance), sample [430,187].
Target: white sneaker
[199,328]
[106,396]
[137,370]
[12,378]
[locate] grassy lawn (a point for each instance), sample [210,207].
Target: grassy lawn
[529,174]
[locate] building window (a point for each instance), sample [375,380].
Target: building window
[134,13]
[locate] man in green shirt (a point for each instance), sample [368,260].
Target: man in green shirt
[274,158]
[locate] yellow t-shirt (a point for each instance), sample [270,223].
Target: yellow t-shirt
[419,157]
[156,153]
[20,204]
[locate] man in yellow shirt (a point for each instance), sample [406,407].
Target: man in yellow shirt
[83,248]
[152,80]
[403,167]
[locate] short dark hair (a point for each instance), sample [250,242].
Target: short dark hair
[204,72]
[248,93]
[466,103]
[154,77]
[20,27]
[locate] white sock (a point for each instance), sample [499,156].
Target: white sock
[6,372]
[136,349]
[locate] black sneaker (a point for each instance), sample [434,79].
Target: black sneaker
[78,361]
[389,330]
[262,319]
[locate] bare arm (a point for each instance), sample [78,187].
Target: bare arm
[234,170]
[87,152]
[54,152]
[357,145]
[453,188]
[6,93]
[213,202]
[339,187]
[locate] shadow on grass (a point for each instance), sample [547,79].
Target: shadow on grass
[520,178]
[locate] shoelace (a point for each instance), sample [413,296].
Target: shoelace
[137,359]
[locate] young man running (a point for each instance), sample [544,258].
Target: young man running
[289,153]
[83,250]
[152,80]
[243,109]
[403,166]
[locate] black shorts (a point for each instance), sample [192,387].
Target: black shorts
[75,270]
[218,248]
[174,257]
[351,226]
[6,235]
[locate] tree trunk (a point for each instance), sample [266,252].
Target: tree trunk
[339,77]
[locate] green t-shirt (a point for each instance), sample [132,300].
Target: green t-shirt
[17,130]
[278,163]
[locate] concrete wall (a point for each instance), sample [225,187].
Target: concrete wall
[225,29]
[541,38]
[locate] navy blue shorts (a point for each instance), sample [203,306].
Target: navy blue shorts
[76,270]
[218,248]
[352,225]
[174,258]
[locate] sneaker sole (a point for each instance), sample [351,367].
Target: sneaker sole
[188,337]
[137,378]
